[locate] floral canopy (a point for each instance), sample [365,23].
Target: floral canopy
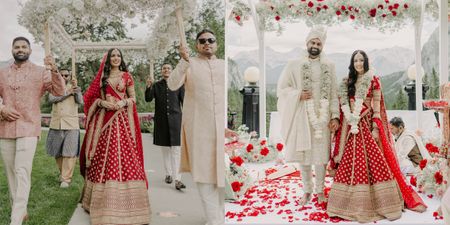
[386,15]
[36,14]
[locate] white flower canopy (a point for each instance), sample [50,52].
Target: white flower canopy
[44,19]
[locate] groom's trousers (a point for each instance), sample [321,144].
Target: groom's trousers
[306,171]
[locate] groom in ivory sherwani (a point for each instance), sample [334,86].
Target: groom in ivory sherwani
[309,109]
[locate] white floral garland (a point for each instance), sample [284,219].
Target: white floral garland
[360,96]
[317,121]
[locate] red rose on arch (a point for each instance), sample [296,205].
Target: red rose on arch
[394,13]
[236,186]
[352,17]
[238,160]
[238,18]
[280,147]
[249,147]
[338,13]
[310,4]
[263,142]
[264,151]
[343,8]
[396,5]
[325,6]
[277,18]
[438,177]
[423,163]
[406,6]
[373,12]
[413,181]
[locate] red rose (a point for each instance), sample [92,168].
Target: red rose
[413,181]
[277,18]
[264,151]
[325,7]
[310,4]
[406,6]
[263,142]
[438,177]
[280,147]
[373,12]
[352,17]
[394,13]
[338,13]
[350,8]
[238,18]
[380,6]
[396,5]
[318,9]
[357,10]
[423,163]
[387,1]
[238,160]
[390,8]
[435,214]
[343,8]
[249,147]
[384,15]
[236,186]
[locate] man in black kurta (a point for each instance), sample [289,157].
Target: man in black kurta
[167,123]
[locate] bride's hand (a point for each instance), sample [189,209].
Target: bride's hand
[108,105]
[376,134]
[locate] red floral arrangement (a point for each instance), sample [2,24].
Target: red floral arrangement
[236,186]
[432,149]
[438,177]
[260,151]
[435,104]
[423,163]
[237,160]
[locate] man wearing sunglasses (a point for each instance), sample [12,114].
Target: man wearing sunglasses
[203,122]
[63,140]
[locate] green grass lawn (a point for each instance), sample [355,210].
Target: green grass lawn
[48,203]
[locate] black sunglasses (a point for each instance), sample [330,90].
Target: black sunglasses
[204,40]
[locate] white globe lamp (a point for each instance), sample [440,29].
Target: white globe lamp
[251,75]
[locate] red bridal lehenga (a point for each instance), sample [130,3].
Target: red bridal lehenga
[111,159]
[368,184]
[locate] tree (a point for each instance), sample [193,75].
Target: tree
[401,102]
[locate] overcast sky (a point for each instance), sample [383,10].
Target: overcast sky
[9,11]
[341,38]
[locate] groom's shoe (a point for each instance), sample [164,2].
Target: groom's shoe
[168,179]
[179,185]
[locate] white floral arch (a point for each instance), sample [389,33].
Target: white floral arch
[44,19]
[385,15]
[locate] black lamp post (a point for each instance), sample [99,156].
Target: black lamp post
[250,92]
[410,88]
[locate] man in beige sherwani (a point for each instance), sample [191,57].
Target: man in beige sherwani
[309,109]
[22,85]
[203,122]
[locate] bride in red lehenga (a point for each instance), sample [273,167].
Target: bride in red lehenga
[368,184]
[111,159]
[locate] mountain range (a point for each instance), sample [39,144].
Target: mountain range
[386,62]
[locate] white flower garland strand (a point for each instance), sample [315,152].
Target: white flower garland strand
[360,96]
[317,121]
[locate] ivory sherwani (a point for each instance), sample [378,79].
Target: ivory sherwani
[404,145]
[296,129]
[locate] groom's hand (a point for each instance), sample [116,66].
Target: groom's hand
[305,95]
[333,125]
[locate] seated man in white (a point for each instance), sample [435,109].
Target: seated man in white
[409,147]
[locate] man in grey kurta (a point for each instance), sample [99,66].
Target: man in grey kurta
[63,140]
[309,109]
[203,122]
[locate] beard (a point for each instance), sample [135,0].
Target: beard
[21,58]
[314,51]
